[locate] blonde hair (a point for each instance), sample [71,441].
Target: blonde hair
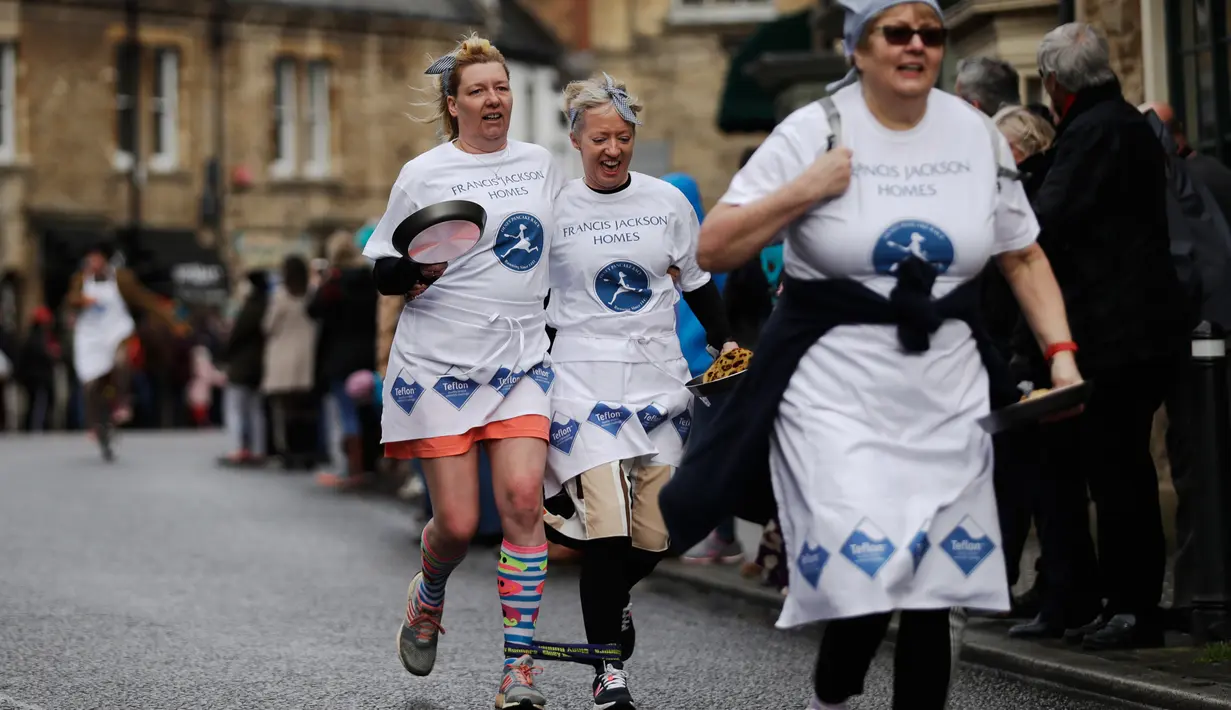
[597,92]
[1029,132]
[342,252]
[471,50]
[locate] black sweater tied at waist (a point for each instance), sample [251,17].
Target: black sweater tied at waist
[725,471]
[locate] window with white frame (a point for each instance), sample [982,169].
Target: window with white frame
[125,104]
[284,134]
[722,11]
[318,120]
[8,102]
[165,110]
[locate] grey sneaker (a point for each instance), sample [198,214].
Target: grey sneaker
[419,632]
[517,688]
[714,550]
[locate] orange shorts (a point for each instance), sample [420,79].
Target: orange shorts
[530,426]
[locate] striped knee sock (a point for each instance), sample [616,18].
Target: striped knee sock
[436,571]
[520,577]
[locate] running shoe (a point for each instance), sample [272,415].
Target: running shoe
[716,551]
[611,688]
[628,633]
[517,689]
[420,632]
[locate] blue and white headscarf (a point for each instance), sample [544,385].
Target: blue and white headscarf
[858,14]
[444,67]
[619,100]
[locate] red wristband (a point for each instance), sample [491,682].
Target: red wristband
[1057,348]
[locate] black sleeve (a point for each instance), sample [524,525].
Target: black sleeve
[706,304]
[395,276]
[1074,184]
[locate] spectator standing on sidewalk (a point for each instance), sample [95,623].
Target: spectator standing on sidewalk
[289,365]
[992,86]
[244,354]
[1216,177]
[345,308]
[1030,137]
[1207,169]
[1103,213]
[35,369]
[987,83]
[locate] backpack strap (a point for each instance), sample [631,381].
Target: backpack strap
[835,121]
[993,133]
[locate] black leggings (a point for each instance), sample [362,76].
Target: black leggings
[610,568]
[924,659]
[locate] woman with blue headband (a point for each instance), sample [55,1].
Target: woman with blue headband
[621,414]
[469,365]
[870,378]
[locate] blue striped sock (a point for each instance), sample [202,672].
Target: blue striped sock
[436,571]
[520,577]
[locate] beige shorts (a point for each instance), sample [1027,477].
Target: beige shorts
[617,499]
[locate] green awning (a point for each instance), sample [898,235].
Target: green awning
[746,107]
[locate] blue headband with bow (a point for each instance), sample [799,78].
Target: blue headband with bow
[444,67]
[858,14]
[619,99]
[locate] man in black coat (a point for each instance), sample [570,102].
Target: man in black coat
[1103,213]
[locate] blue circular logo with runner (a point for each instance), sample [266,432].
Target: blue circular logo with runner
[519,243]
[908,238]
[623,286]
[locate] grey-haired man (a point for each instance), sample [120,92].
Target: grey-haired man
[987,83]
[1103,212]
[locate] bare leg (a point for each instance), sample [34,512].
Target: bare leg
[453,484]
[517,477]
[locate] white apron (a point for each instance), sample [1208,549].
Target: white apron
[620,393]
[886,489]
[100,329]
[604,411]
[491,366]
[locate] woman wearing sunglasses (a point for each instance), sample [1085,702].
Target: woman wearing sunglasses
[870,377]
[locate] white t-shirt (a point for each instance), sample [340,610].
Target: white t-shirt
[515,186]
[473,348]
[882,473]
[911,191]
[609,270]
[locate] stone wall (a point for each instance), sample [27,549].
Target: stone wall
[375,82]
[67,89]
[1121,21]
[678,72]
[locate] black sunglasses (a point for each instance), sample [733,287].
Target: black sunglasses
[901,35]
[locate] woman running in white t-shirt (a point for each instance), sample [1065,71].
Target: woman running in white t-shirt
[882,475]
[620,411]
[469,358]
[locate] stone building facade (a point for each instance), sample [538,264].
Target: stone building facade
[674,56]
[302,113]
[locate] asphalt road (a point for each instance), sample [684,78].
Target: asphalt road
[161,581]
